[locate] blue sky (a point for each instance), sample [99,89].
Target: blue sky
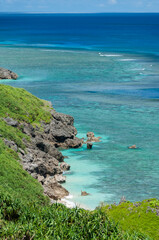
[81,6]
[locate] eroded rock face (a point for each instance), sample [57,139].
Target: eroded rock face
[60,178]
[11,145]
[7,74]
[55,191]
[41,158]
[64,166]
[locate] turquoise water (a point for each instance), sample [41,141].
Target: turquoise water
[104,71]
[109,96]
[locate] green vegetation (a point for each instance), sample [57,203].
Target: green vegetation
[13,134]
[25,213]
[141,216]
[23,106]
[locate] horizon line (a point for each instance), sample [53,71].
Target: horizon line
[19,12]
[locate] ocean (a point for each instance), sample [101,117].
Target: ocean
[103,69]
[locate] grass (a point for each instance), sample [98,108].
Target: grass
[16,181]
[23,106]
[141,217]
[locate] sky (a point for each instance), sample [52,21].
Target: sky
[79,6]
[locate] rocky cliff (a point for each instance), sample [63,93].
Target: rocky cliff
[41,157]
[35,132]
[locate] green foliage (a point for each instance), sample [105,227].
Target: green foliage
[22,105]
[140,217]
[58,222]
[13,134]
[16,181]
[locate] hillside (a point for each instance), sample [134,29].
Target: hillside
[28,127]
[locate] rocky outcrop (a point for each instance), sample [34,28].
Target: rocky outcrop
[92,138]
[132,147]
[11,122]
[7,74]
[84,193]
[64,166]
[41,157]
[55,191]
[11,144]
[89,145]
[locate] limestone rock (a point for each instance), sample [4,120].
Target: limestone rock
[73,143]
[92,138]
[132,147]
[44,168]
[64,166]
[7,74]
[60,178]
[11,145]
[83,193]
[11,122]
[55,191]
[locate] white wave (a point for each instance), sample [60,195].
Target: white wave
[68,203]
[69,196]
[109,55]
[138,69]
[127,59]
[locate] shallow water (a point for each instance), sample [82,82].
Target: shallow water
[112,93]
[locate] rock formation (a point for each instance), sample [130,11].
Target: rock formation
[7,74]
[89,145]
[132,147]
[92,138]
[41,157]
[84,193]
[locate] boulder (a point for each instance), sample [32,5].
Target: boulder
[55,191]
[132,147]
[64,166]
[83,193]
[7,74]
[92,138]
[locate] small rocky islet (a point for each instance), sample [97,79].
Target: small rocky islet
[7,74]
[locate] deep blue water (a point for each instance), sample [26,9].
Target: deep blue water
[104,70]
[113,32]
